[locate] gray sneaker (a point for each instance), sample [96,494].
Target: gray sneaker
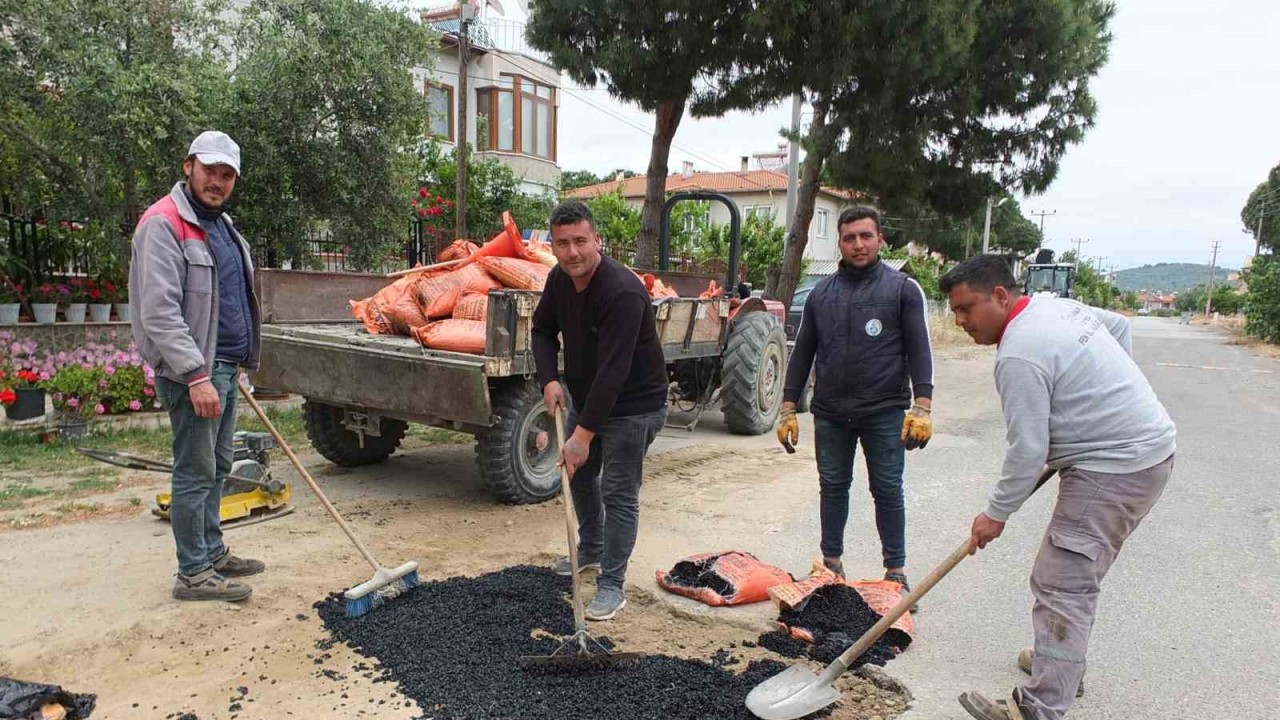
[209,585]
[562,567]
[606,604]
[231,566]
[906,586]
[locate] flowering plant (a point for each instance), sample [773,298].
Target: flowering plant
[10,292]
[113,291]
[81,290]
[51,293]
[76,390]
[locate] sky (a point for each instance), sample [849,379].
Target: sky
[1188,124]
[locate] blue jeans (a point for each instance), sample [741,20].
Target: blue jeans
[606,491]
[202,459]
[836,443]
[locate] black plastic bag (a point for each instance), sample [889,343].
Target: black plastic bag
[20,699]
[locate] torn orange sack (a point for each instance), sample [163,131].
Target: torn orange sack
[880,596]
[457,250]
[723,578]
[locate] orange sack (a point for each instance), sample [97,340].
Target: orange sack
[389,311]
[723,578]
[472,306]
[457,250]
[880,596]
[439,294]
[457,335]
[516,273]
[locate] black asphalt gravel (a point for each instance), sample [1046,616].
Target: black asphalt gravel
[699,574]
[837,616]
[454,646]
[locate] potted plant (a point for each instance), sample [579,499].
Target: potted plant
[77,300]
[45,299]
[116,291]
[21,394]
[75,390]
[99,304]
[10,301]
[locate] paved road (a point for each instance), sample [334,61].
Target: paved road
[1189,621]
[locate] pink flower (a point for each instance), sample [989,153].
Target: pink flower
[102,383]
[73,402]
[134,405]
[100,409]
[110,369]
[148,391]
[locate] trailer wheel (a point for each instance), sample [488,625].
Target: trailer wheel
[341,446]
[517,457]
[754,365]
[806,396]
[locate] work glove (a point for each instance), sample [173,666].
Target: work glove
[788,429]
[917,428]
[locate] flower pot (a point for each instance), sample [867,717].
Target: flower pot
[75,312]
[122,312]
[100,312]
[29,405]
[9,313]
[46,313]
[73,431]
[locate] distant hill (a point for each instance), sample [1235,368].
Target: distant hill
[1168,277]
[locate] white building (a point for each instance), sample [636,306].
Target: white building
[513,92]
[755,191]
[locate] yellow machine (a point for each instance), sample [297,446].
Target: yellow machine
[249,490]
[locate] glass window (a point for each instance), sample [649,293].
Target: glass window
[482,111]
[506,82]
[506,121]
[544,92]
[820,223]
[544,130]
[440,102]
[527,122]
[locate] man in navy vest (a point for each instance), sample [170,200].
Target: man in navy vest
[865,335]
[196,323]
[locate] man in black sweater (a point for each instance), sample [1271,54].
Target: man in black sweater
[867,330]
[617,379]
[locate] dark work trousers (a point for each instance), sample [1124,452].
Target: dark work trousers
[836,444]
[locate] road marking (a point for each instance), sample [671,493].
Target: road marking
[1213,367]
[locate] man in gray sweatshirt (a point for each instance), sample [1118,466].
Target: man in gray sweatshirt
[1074,400]
[196,322]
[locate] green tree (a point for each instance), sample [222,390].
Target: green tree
[958,237]
[910,99]
[492,188]
[650,53]
[1261,213]
[574,179]
[1262,304]
[324,107]
[761,246]
[99,100]
[1225,300]
[617,222]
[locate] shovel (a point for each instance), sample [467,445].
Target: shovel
[797,691]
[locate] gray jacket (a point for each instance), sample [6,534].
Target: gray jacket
[173,291]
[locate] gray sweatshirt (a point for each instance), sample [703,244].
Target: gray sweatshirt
[1073,397]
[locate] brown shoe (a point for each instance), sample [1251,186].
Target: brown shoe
[982,708]
[231,566]
[209,585]
[1024,664]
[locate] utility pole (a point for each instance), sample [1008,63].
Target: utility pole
[793,166]
[465,14]
[1213,264]
[986,229]
[1257,235]
[1042,213]
[1099,260]
[1078,242]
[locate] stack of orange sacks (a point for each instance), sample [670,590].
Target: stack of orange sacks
[444,307]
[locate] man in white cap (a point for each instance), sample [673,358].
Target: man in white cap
[196,322]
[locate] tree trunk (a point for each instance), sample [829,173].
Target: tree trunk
[655,192]
[817,146]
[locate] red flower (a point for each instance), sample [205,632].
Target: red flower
[8,396]
[422,212]
[422,192]
[95,294]
[439,199]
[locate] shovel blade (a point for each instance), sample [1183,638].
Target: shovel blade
[792,693]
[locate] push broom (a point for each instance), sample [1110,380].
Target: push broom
[386,583]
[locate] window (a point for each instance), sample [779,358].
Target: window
[762,211]
[440,104]
[820,222]
[520,115]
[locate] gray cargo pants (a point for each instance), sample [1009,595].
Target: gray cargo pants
[1095,513]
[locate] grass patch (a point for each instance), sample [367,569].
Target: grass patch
[12,496]
[429,435]
[92,484]
[288,421]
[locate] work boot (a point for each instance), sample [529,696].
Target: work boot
[231,566]
[562,567]
[834,565]
[906,587]
[984,709]
[209,585]
[606,604]
[1024,664]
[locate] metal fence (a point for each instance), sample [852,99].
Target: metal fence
[36,250]
[318,250]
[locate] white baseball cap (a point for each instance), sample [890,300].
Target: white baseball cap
[216,148]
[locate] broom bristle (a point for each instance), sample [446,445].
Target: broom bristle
[366,604]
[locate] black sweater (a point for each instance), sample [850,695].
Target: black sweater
[613,362]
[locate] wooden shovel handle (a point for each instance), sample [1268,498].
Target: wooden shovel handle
[571,526]
[425,268]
